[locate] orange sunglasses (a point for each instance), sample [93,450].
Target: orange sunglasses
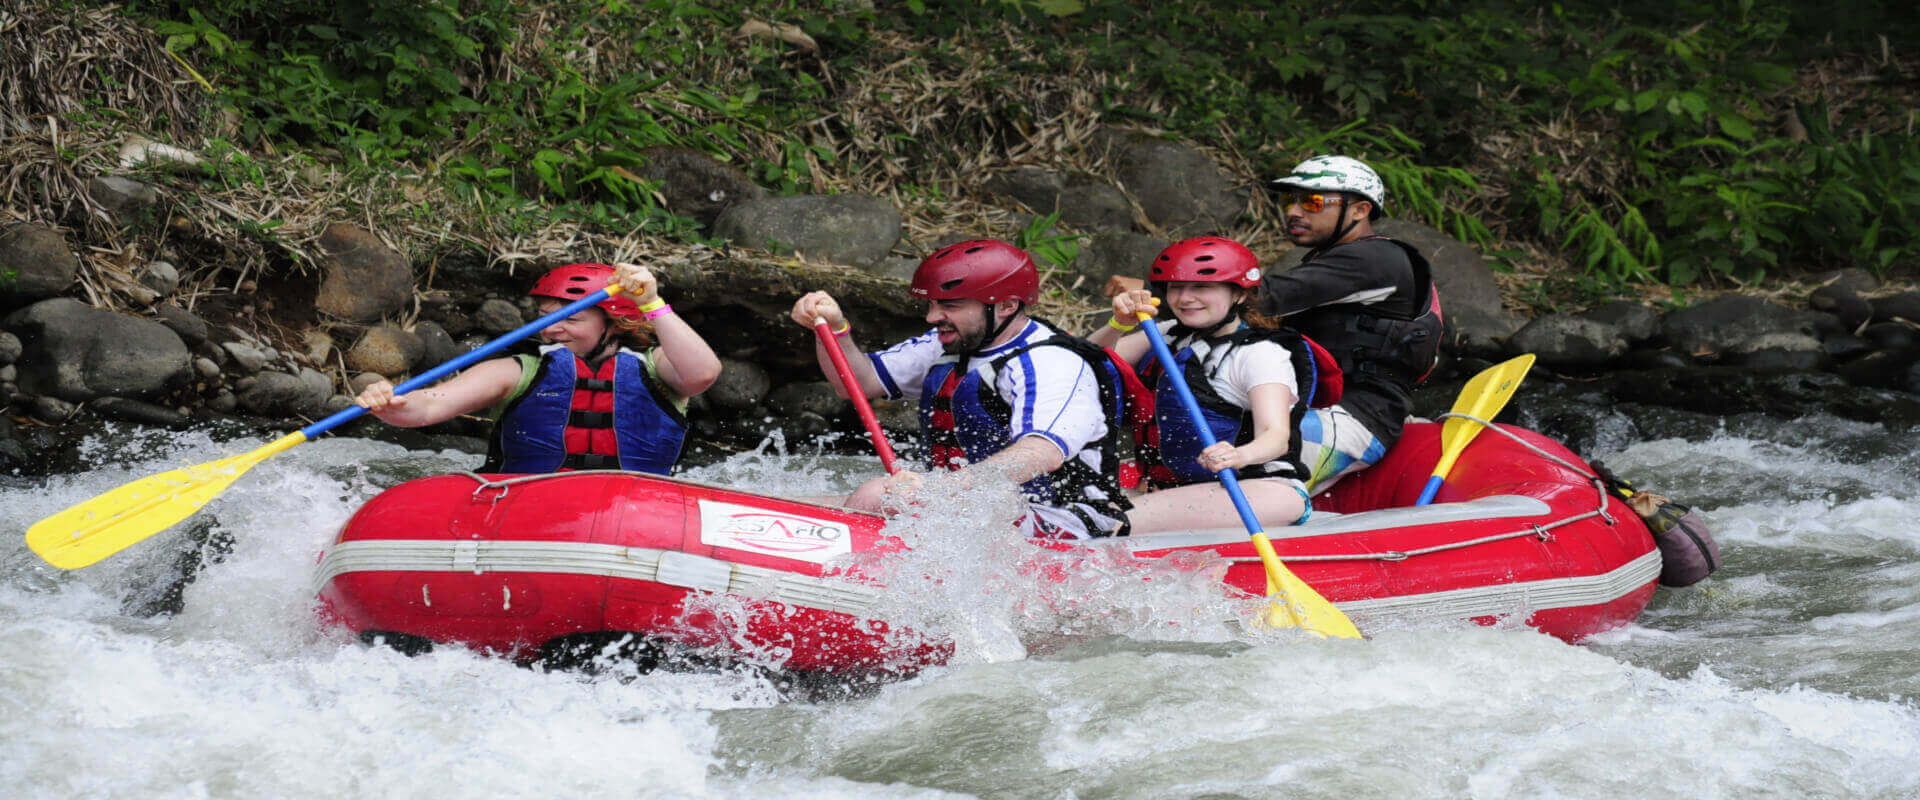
[1310,202]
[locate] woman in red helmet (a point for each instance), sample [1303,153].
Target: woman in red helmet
[998,391]
[609,389]
[1244,371]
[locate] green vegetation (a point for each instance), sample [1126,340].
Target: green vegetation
[1679,142]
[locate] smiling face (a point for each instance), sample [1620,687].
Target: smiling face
[961,324]
[1201,306]
[581,333]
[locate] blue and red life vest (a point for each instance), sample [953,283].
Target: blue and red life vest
[576,415]
[1168,445]
[965,420]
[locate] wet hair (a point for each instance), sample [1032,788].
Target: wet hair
[1249,309]
[635,334]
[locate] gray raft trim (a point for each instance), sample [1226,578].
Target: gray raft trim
[845,596]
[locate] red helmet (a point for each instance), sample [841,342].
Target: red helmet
[982,269]
[574,281]
[1206,259]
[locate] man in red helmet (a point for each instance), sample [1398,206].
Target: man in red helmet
[1367,299]
[998,391]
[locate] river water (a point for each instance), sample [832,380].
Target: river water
[1790,673]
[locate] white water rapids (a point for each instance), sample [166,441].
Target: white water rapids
[1790,673]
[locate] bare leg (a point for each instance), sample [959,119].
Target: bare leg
[1276,502]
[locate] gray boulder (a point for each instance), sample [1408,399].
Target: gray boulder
[1082,201]
[1712,328]
[365,279]
[132,203]
[34,263]
[1560,340]
[858,230]
[1180,189]
[76,352]
[1109,254]
[741,386]
[277,394]
[496,316]
[806,397]
[9,348]
[387,350]
[694,184]
[1636,323]
[190,328]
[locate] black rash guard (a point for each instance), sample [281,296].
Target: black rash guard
[1335,282]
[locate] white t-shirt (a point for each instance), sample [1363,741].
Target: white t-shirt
[1235,372]
[1053,393]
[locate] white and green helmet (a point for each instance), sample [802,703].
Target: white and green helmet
[1337,174]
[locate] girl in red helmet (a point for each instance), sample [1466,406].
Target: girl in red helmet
[608,391]
[997,391]
[1242,368]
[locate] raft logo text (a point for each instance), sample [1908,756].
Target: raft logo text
[761,531]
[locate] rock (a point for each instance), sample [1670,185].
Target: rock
[8,374]
[190,328]
[858,230]
[741,386]
[1880,369]
[206,367]
[1852,309]
[248,358]
[9,348]
[1110,254]
[49,409]
[1635,322]
[316,382]
[131,202]
[806,397]
[387,350]
[1658,359]
[1845,346]
[1905,305]
[1180,189]
[224,402]
[1851,279]
[1082,201]
[335,404]
[438,347]
[1559,340]
[161,277]
[496,316]
[694,184]
[365,280]
[129,410]
[277,394]
[1890,336]
[38,261]
[897,267]
[78,353]
[316,346]
[1780,352]
[1714,327]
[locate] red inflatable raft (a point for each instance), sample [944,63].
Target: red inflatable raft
[507,564]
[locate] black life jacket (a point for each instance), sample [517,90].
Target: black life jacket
[1370,342]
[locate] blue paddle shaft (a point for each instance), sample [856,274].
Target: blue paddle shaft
[434,375]
[1433,488]
[1226,476]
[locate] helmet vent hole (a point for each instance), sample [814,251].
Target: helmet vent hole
[1203,258]
[1209,271]
[975,249]
[949,285]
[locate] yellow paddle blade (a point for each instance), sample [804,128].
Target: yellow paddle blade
[109,523]
[1482,397]
[1294,603]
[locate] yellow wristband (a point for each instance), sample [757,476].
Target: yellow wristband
[844,327]
[1114,323]
[657,303]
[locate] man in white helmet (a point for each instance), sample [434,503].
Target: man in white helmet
[1368,299]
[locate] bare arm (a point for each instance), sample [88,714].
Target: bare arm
[684,361]
[485,384]
[1272,429]
[1027,458]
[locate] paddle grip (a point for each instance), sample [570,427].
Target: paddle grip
[829,343]
[434,375]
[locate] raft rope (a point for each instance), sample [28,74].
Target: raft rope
[1536,530]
